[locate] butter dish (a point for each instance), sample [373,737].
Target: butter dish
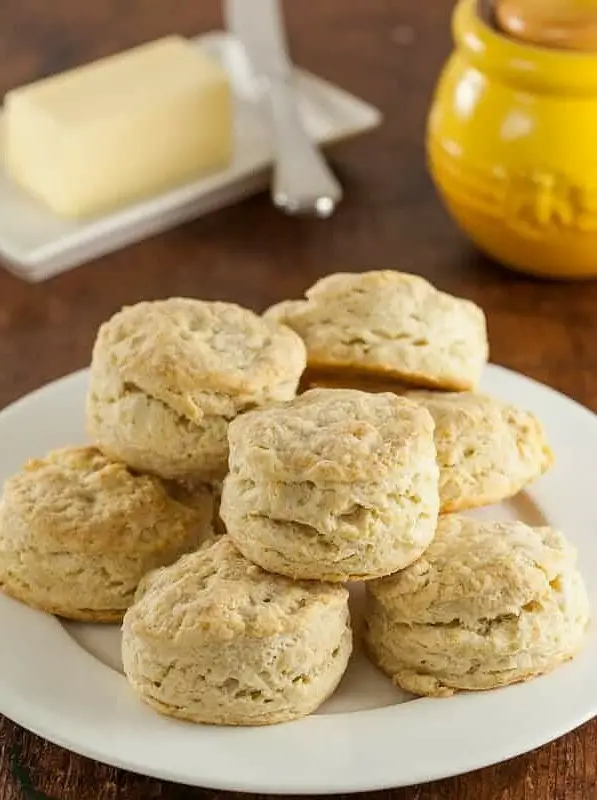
[35,244]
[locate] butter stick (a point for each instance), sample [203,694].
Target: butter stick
[127,127]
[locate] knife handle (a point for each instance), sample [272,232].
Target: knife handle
[303,183]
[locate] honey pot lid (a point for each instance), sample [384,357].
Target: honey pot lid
[565,24]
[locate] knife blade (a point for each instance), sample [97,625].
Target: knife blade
[303,182]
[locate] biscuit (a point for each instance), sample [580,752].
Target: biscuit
[488,604]
[373,544]
[202,358]
[215,639]
[167,377]
[149,436]
[487,450]
[326,507]
[340,435]
[78,532]
[335,485]
[389,325]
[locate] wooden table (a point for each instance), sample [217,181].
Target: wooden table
[390,53]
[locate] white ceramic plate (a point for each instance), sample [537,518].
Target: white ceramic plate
[36,244]
[63,681]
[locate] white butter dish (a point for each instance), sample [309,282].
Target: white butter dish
[35,244]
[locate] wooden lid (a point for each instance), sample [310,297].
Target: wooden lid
[568,24]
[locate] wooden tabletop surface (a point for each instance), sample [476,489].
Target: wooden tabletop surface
[388,52]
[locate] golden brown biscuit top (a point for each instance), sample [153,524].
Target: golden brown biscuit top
[216,593]
[186,352]
[476,570]
[341,435]
[389,323]
[77,500]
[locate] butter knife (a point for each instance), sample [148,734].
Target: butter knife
[302,182]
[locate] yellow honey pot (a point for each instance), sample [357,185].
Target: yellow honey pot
[512,147]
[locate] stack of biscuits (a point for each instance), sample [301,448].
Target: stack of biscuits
[241,617]
[81,527]
[486,603]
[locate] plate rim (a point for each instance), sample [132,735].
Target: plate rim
[346,746]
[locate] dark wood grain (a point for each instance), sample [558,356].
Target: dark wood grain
[388,51]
